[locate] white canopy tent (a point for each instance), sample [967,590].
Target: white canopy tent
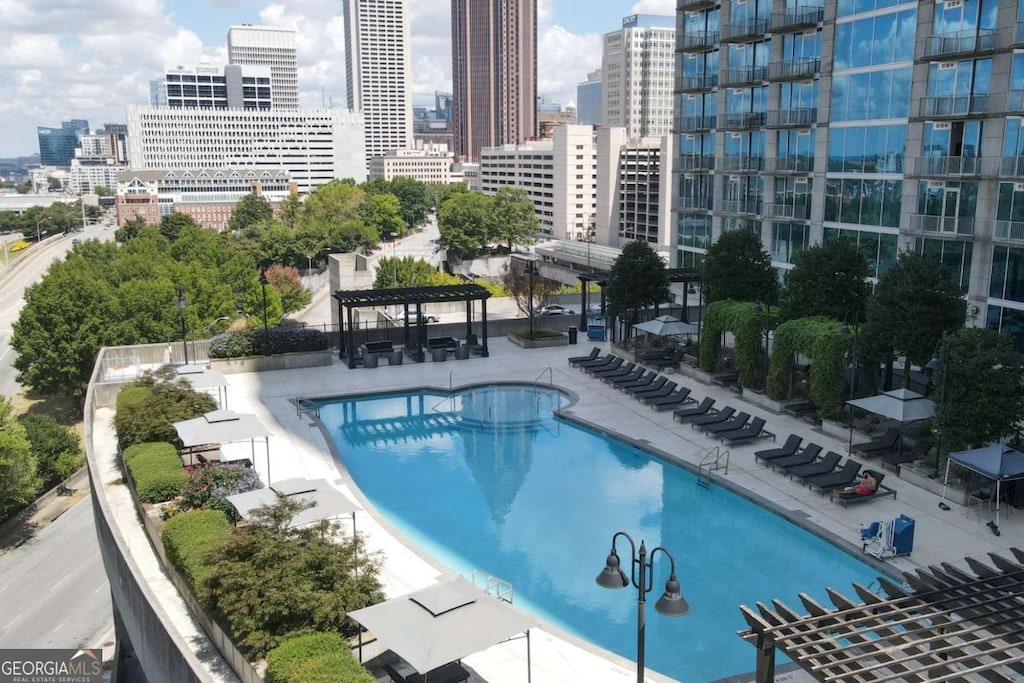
[206,379]
[327,501]
[223,426]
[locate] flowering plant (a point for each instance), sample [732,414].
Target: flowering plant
[280,339]
[210,486]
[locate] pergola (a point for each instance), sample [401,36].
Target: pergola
[951,625]
[688,276]
[349,300]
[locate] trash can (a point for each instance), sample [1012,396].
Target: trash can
[573,334]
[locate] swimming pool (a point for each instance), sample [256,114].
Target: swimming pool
[486,479]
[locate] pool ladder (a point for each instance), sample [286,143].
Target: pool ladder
[306,406]
[715,459]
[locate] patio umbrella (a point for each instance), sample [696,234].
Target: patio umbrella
[902,405]
[223,426]
[327,501]
[443,624]
[666,326]
[995,461]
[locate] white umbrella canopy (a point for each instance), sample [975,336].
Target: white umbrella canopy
[220,426]
[443,623]
[327,501]
[901,405]
[666,326]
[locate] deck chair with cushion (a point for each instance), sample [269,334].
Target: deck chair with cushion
[645,379]
[670,362]
[737,421]
[603,361]
[883,444]
[844,497]
[657,382]
[787,449]
[685,414]
[717,417]
[576,360]
[666,389]
[824,466]
[754,430]
[623,375]
[811,450]
[672,401]
[616,366]
[844,476]
[804,457]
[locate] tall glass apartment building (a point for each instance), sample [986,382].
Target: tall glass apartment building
[894,124]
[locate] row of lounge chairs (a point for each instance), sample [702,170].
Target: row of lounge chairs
[822,473]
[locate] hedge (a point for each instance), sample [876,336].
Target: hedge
[819,339]
[132,395]
[156,469]
[280,339]
[315,658]
[188,536]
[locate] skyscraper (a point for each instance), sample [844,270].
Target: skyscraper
[588,100]
[57,145]
[271,46]
[494,73]
[378,63]
[636,75]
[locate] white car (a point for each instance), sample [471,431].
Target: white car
[399,317]
[555,309]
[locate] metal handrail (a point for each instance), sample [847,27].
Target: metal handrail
[551,375]
[306,405]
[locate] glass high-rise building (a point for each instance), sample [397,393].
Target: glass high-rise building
[588,100]
[896,125]
[636,75]
[57,145]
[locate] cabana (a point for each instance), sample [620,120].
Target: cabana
[432,628]
[327,502]
[205,379]
[995,461]
[902,405]
[219,427]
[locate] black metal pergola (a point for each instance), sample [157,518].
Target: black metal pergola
[946,624]
[688,276]
[415,334]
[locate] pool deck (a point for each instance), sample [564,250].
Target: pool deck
[298,449]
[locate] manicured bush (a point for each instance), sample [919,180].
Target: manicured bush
[156,470]
[315,658]
[153,418]
[209,487]
[187,539]
[280,339]
[131,395]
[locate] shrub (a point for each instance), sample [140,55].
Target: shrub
[131,395]
[56,448]
[280,339]
[209,487]
[152,419]
[315,657]
[188,538]
[156,470]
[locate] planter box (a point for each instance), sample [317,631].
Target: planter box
[700,375]
[762,400]
[562,340]
[280,361]
[921,480]
[839,430]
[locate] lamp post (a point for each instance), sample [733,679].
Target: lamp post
[846,330]
[641,576]
[184,329]
[940,361]
[266,329]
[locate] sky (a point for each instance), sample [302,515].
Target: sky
[86,59]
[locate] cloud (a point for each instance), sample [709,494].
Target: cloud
[667,7]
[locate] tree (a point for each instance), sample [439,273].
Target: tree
[380,212]
[464,221]
[130,229]
[978,390]
[914,305]
[172,224]
[251,210]
[517,284]
[253,306]
[102,191]
[286,281]
[352,235]
[638,279]
[737,267]
[333,203]
[415,198]
[18,479]
[515,221]
[56,448]
[839,264]
[291,210]
[409,271]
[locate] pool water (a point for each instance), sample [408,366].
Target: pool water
[487,479]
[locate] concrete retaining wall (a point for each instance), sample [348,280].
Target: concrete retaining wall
[280,361]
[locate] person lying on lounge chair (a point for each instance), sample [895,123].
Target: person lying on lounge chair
[867,486]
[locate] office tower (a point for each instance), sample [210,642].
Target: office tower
[634,189]
[588,100]
[204,86]
[57,145]
[378,63]
[636,75]
[315,146]
[268,46]
[894,125]
[443,106]
[494,73]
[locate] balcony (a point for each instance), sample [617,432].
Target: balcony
[801,165]
[960,43]
[696,162]
[693,5]
[948,166]
[694,204]
[745,74]
[783,118]
[688,124]
[957,105]
[797,18]
[744,30]
[743,206]
[699,41]
[793,69]
[1012,167]
[748,119]
[800,211]
[1009,230]
[695,83]
[942,225]
[741,164]
[1015,101]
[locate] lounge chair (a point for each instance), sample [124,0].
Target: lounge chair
[617,365]
[576,360]
[717,417]
[804,457]
[656,382]
[670,362]
[684,414]
[881,491]
[754,430]
[662,391]
[737,421]
[657,354]
[844,476]
[787,449]
[883,444]
[598,362]
[673,400]
[474,345]
[823,466]
[893,460]
[627,373]
[637,374]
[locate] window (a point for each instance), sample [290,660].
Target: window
[788,239]
[863,201]
[878,248]
[1007,280]
[954,254]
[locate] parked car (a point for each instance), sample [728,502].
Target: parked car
[555,309]
[399,317]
